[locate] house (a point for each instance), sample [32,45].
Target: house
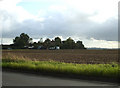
[9,48]
[41,47]
[31,47]
[57,47]
[54,48]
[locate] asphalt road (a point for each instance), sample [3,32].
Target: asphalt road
[25,79]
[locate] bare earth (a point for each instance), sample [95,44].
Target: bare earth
[68,56]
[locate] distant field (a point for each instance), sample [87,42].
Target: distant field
[67,56]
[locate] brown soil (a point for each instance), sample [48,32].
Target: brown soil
[68,56]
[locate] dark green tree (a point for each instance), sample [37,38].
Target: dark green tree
[47,43]
[22,40]
[79,45]
[68,44]
[57,41]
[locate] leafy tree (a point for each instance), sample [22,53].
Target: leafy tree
[68,44]
[79,45]
[57,41]
[22,40]
[47,43]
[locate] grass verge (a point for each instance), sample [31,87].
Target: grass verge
[97,70]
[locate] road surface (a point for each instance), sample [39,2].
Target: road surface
[25,79]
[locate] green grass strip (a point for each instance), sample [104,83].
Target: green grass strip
[98,70]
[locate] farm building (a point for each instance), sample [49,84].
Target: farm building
[54,48]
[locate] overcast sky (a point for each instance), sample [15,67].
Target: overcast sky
[95,22]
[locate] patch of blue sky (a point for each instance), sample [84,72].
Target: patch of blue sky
[33,7]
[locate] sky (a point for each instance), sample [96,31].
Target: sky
[94,22]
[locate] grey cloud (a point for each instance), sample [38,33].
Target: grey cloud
[106,31]
[64,25]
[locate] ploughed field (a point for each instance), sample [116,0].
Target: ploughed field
[67,56]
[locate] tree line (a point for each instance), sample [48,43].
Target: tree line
[24,41]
